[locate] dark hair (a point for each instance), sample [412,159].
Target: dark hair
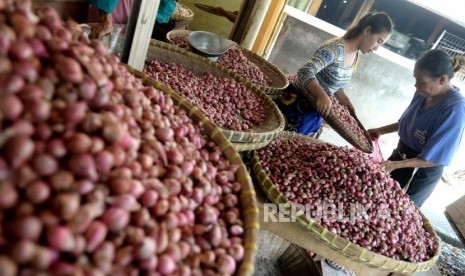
[437,63]
[379,22]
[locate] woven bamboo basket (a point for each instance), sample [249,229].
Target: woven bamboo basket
[249,146]
[176,33]
[340,128]
[278,80]
[248,198]
[335,242]
[274,121]
[277,256]
[182,13]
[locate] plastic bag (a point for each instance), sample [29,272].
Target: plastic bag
[111,40]
[376,155]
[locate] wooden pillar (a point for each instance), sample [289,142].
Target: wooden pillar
[268,26]
[255,22]
[139,32]
[437,30]
[314,7]
[245,12]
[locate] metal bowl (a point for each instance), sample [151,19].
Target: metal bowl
[209,44]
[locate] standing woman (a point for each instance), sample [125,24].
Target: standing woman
[328,71]
[431,128]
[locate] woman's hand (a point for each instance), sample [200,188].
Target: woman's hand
[102,28]
[374,133]
[323,105]
[389,166]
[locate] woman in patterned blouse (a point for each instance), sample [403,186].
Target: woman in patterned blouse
[328,71]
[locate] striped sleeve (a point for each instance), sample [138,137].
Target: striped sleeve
[324,56]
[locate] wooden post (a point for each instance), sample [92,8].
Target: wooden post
[245,12]
[254,23]
[139,32]
[269,23]
[439,28]
[314,7]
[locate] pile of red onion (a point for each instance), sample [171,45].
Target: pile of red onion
[99,174]
[342,114]
[319,175]
[234,60]
[229,104]
[182,41]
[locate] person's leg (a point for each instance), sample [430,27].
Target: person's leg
[423,183]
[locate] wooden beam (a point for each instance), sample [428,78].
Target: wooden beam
[139,32]
[269,23]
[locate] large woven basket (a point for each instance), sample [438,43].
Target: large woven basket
[182,13]
[248,198]
[336,242]
[274,121]
[277,256]
[249,146]
[341,129]
[176,33]
[278,80]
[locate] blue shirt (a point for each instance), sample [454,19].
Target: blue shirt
[436,131]
[105,5]
[327,66]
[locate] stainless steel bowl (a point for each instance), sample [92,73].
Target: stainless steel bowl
[210,44]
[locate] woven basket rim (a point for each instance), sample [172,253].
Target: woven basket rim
[269,90]
[247,198]
[339,127]
[249,146]
[178,16]
[233,136]
[176,33]
[361,255]
[266,63]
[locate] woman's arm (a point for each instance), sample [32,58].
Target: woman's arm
[103,27]
[324,56]
[343,99]
[104,24]
[407,163]
[376,132]
[323,102]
